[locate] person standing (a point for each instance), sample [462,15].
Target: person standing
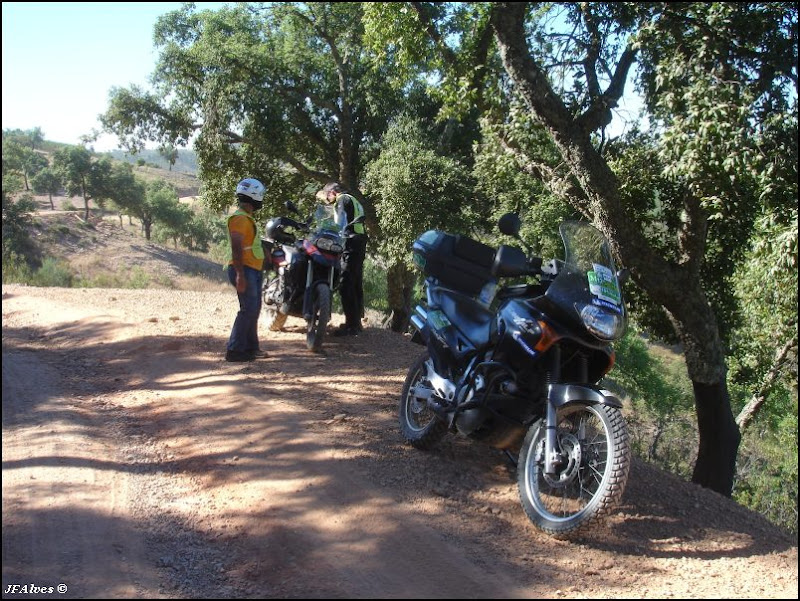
[245,271]
[352,285]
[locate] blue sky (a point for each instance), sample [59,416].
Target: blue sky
[61,59]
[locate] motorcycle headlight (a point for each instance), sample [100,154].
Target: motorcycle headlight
[602,323]
[328,245]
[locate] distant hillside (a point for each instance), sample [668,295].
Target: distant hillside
[185,163]
[186,184]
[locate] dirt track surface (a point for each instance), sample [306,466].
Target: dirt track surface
[138,463]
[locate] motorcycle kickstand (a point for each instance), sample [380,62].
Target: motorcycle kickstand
[511,459]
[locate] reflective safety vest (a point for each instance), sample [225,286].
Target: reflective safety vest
[358,211]
[255,246]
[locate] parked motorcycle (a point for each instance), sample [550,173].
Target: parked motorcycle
[303,265]
[516,367]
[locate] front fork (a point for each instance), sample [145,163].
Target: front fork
[308,299]
[561,394]
[553,459]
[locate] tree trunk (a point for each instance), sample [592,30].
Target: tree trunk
[677,287]
[52,205]
[86,208]
[146,225]
[400,281]
[719,437]
[696,325]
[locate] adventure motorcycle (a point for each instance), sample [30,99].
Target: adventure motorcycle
[303,272]
[515,367]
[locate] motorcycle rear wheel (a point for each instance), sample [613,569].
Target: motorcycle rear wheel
[419,425]
[593,440]
[320,316]
[273,318]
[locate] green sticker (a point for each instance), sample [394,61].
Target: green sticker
[603,284]
[438,320]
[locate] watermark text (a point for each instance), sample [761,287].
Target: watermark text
[33,589]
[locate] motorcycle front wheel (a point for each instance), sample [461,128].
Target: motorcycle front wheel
[596,457]
[420,426]
[320,316]
[273,294]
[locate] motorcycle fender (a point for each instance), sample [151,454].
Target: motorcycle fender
[584,394]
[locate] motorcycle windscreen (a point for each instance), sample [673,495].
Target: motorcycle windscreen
[587,287]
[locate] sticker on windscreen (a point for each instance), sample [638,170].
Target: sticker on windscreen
[603,284]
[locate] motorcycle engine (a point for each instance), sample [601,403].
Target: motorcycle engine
[470,420]
[481,424]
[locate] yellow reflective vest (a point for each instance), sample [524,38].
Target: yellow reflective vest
[254,248]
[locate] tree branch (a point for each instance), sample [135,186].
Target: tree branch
[448,55]
[598,182]
[692,235]
[559,184]
[306,171]
[599,112]
[749,412]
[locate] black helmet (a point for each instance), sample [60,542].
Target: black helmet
[276,230]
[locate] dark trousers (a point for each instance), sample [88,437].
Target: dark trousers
[352,286]
[244,334]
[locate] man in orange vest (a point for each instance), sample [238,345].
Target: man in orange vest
[245,271]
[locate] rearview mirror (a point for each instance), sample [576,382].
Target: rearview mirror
[510,224]
[291,207]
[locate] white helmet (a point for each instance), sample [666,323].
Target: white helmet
[252,189]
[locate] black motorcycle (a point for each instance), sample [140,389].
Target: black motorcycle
[303,265]
[516,367]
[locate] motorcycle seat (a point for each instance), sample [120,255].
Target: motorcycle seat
[470,317]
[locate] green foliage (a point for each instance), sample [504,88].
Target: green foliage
[20,153]
[17,217]
[19,253]
[451,65]
[508,188]
[15,268]
[767,472]
[203,230]
[415,189]
[47,181]
[661,403]
[84,175]
[285,93]
[375,289]
[52,273]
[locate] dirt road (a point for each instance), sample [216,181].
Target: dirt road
[137,463]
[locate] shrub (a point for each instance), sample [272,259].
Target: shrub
[53,272]
[15,269]
[660,405]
